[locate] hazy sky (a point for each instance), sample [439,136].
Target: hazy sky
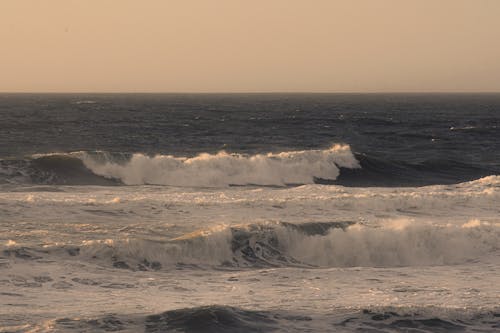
[244,46]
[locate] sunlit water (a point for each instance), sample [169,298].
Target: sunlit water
[295,229]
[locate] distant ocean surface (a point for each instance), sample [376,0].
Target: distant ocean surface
[249,212]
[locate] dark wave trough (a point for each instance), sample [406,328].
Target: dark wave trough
[230,319]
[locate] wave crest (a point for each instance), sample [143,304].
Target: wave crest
[337,165]
[321,244]
[222,169]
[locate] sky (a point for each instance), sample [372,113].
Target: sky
[249,46]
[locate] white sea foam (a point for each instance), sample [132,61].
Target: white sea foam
[396,243]
[222,169]
[84,102]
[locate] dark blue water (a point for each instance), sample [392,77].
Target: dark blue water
[193,254]
[399,139]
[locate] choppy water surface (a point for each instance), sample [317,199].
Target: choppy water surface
[249,213]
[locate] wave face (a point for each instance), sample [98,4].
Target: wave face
[375,171]
[337,165]
[222,169]
[211,319]
[223,318]
[408,319]
[326,244]
[230,319]
[204,170]
[58,169]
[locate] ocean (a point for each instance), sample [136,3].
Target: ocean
[250,212]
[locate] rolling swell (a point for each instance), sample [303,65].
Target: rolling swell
[66,169]
[54,169]
[226,318]
[211,319]
[216,318]
[321,244]
[420,319]
[204,170]
[336,166]
[374,171]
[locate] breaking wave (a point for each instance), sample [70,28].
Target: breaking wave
[337,165]
[204,170]
[321,244]
[222,169]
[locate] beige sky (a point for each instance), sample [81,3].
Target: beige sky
[249,46]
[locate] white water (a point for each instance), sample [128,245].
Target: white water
[221,169]
[407,249]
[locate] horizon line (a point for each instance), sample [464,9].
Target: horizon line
[247,92]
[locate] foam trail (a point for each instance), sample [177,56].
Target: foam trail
[222,169]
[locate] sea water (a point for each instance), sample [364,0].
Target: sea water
[250,213]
